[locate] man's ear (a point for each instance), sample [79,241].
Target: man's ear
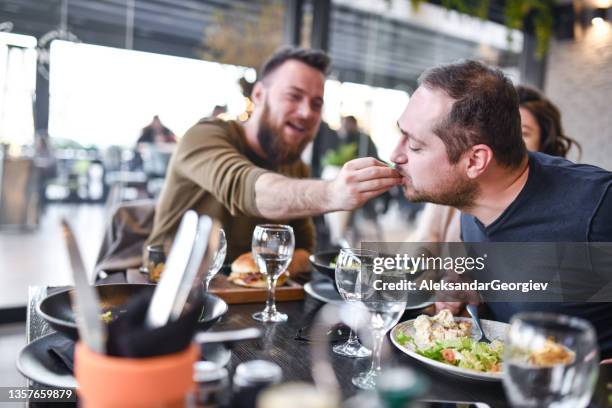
[477,160]
[257,95]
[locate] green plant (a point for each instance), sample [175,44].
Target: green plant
[515,13]
[341,155]
[542,12]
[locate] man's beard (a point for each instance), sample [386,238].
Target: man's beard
[457,192]
[271,141]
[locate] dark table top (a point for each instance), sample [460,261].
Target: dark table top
[279,344]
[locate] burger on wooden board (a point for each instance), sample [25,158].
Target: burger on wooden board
[245,271]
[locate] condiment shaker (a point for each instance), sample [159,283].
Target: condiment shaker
[213,384]
[251,378]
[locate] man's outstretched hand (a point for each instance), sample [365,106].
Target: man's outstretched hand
[361,180]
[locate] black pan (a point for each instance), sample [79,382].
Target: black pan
[56,309]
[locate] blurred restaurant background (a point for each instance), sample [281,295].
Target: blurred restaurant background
[95,93]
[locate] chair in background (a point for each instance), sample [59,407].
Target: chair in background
[127,230]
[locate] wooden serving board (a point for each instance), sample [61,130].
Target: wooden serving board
[234,294]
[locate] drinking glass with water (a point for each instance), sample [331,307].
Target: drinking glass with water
[385,307]
[348,280]
[272,248]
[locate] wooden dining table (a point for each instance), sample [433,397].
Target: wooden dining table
[279,343]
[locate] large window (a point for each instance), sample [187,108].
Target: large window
[104,96]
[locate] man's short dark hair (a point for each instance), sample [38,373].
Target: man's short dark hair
[486,110]
[316,59]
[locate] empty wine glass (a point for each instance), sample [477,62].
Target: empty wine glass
[386,307]
[550,360]
[217,261]
[349,264]
[272,248]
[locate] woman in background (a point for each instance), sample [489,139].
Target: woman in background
[541,124]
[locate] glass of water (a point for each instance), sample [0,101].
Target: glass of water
[272,248]
[349,264]
[386,307]
[550,360]
[217,260]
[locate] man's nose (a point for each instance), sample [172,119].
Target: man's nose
[305,111]
[397,155]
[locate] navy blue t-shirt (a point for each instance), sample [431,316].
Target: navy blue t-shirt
[560,202]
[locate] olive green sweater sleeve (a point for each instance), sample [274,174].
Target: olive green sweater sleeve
[303,228]
[208,155]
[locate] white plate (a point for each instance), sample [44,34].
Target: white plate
[493,330]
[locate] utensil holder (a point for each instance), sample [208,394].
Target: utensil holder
[108,381]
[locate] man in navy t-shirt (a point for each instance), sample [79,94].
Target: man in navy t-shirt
[461,146]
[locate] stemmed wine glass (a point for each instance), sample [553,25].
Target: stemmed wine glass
[217,260]
[386,307]
[550,360]
[272,248]
[349,264]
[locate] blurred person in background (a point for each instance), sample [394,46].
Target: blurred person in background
[325,140]
[156,132]
[218,110]
[154,138]
[351,133]
[245,174]
[541,130]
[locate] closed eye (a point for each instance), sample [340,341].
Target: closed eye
[413,145]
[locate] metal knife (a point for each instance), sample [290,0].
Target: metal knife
[202,252]
[184,260]
[87,304]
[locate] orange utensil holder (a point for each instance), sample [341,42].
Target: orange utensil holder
[107,381]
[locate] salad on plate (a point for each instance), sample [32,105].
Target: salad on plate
[449,341]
